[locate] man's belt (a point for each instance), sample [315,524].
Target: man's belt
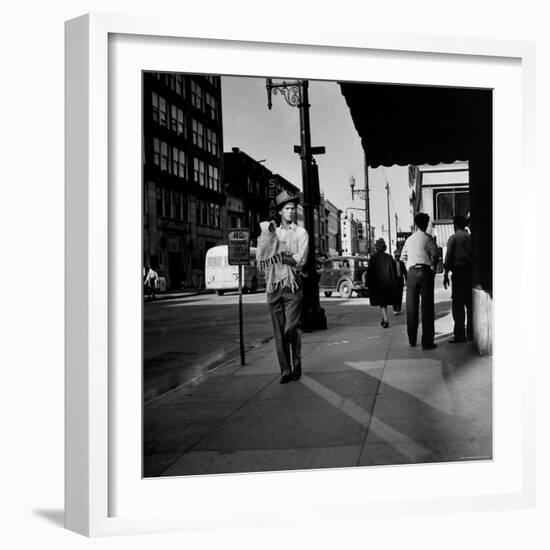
[421,266]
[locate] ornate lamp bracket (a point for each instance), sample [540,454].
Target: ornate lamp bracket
[291,91]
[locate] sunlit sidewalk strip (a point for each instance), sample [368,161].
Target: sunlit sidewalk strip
[406,446]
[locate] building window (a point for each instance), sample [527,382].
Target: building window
[198,134]
[180,122]
[174,161]
[213,180]
[163,156]
[177,120]
[211,106]
[156,151]
[182,163]
[450,202]
[199,171]
[202,213]
[212,142]
[163,116]
[196,95]
[180,88]
[218,219]
[155,107]
[173,118]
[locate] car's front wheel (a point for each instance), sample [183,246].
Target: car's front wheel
[345,289]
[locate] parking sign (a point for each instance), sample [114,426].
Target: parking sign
[239,246]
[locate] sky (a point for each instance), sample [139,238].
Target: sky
[271,135]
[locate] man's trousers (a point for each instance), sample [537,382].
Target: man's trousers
[285,308]
[420,293]
[462,302]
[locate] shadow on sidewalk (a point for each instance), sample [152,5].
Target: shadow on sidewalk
[385,406]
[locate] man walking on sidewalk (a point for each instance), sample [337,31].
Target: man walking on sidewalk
[458,259]
[285,299]
[420,256]
[151,282]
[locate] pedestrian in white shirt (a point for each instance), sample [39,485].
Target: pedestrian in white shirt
[420,256]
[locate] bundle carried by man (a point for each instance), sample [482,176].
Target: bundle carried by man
[269,260]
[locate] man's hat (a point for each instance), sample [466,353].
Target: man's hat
[283,197]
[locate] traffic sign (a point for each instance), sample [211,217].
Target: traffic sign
[238,246]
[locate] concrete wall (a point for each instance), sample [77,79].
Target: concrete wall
[482,307]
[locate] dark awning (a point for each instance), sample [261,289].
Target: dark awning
[429,125]
[419,124]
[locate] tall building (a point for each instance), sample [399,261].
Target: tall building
[251,190]
[183,195]
[350,244]
[330,242]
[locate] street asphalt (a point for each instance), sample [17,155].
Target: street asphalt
[365,398]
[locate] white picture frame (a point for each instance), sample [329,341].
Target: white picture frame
[101,408]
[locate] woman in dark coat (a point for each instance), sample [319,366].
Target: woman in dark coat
[382,280]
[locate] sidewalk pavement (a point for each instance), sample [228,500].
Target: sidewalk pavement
[365,398]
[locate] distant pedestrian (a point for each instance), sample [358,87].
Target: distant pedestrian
[401,270]
[458,260]
[382,280]
[282,260]
[420,256]
[151,282]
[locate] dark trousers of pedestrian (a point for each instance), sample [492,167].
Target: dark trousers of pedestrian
[420,292]
[398,298]
[462,302]
[285,308]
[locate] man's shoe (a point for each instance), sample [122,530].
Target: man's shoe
[296,373]
[457,341]
[412,344]
[429,346]
[285,378]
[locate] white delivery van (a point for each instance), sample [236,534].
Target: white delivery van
[222,277]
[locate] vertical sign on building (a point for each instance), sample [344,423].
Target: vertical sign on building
[238,253]
[271,194]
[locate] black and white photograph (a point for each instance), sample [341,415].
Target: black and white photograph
[317,274]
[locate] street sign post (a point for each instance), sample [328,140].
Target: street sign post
[238,246]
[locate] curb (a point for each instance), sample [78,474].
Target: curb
[175,296]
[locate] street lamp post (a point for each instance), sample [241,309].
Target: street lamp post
[296,95]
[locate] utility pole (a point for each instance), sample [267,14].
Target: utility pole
[367,206]
[389,225]
[396,229]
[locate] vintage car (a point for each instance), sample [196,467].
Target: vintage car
[344,274]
